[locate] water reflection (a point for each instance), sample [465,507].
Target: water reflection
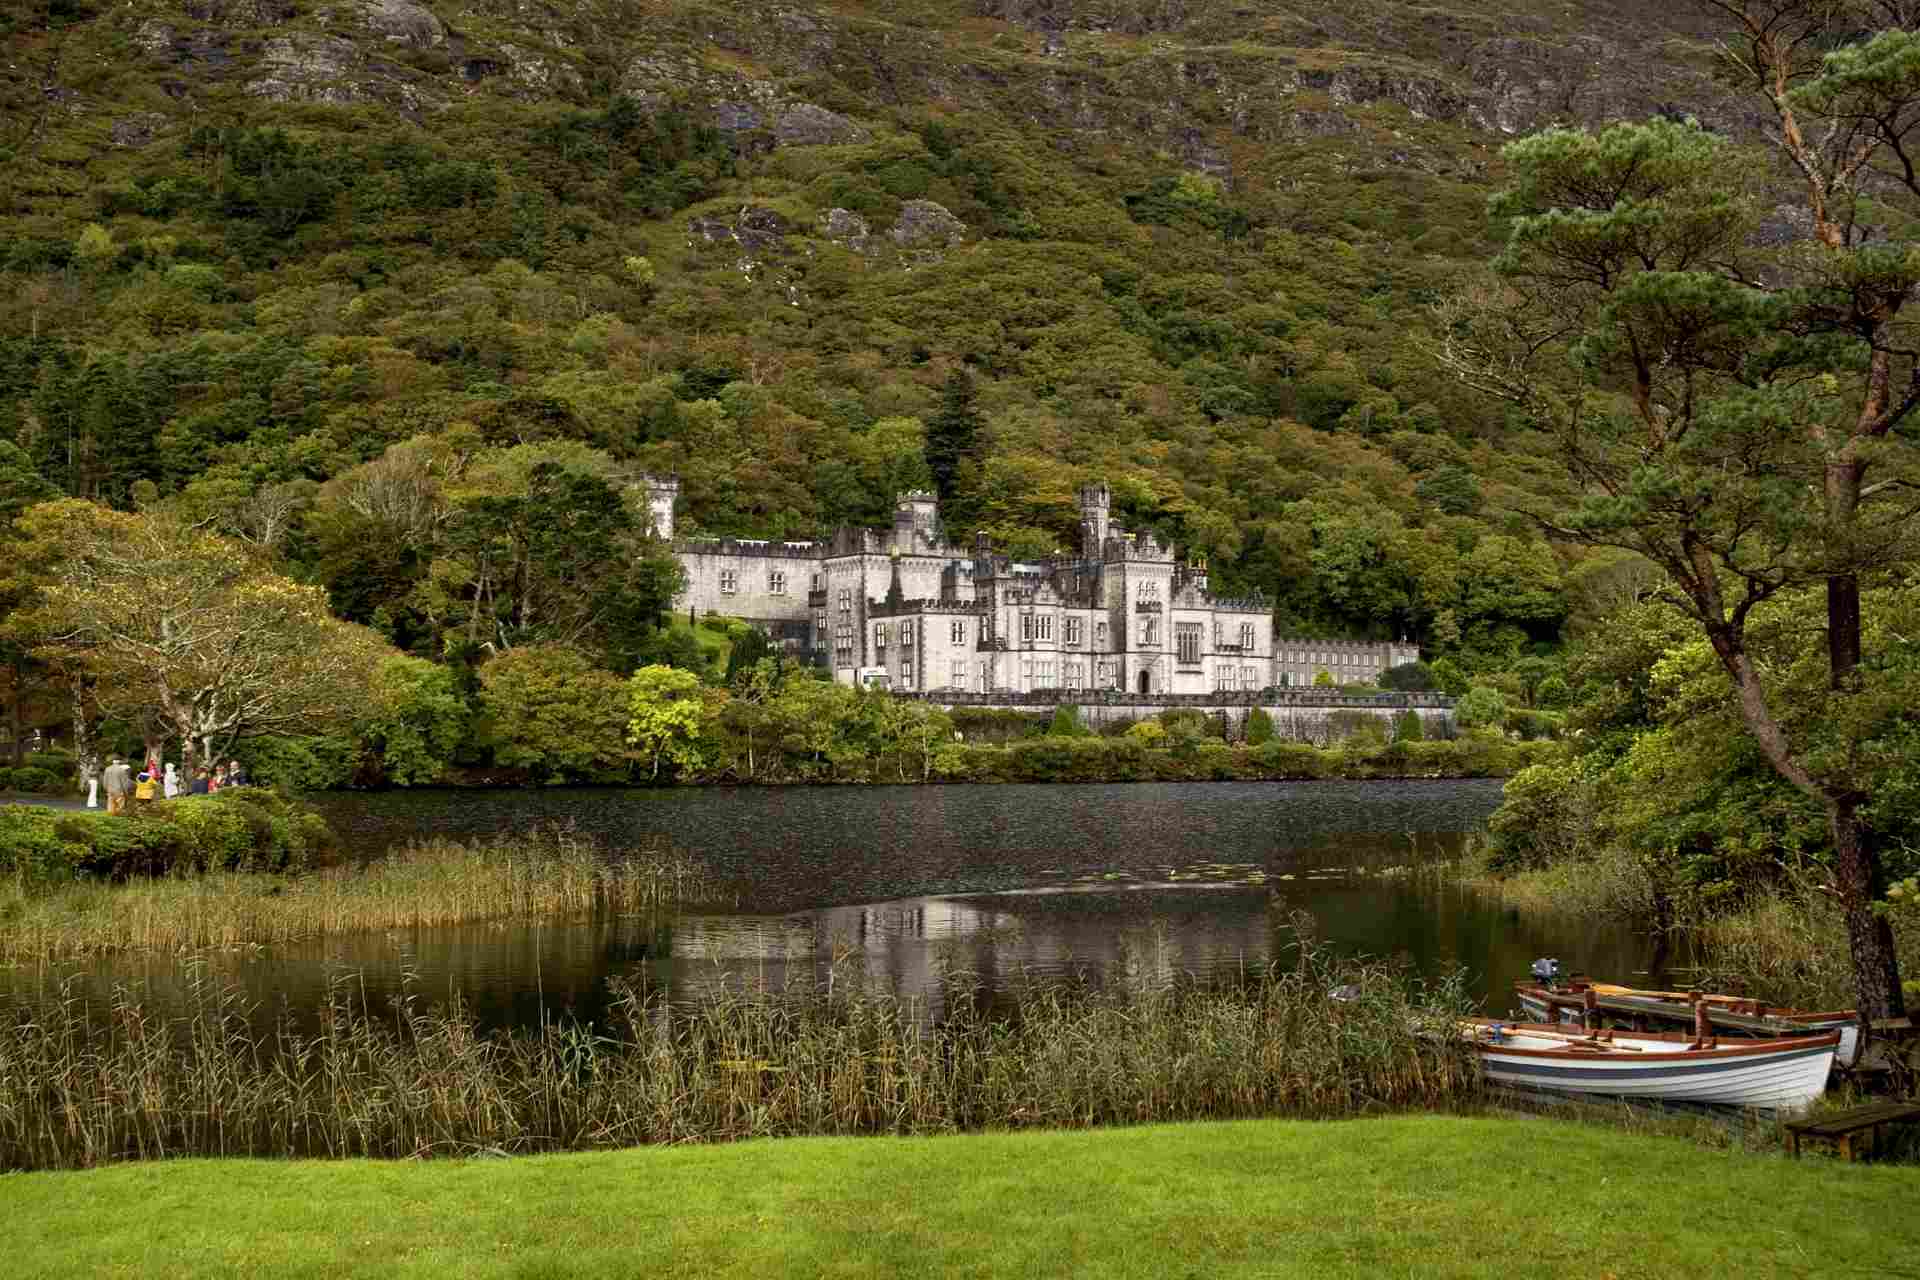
[906,886]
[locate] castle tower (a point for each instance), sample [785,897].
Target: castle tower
[917,513]
[1096,506]
[662,493]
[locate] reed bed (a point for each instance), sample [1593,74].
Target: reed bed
[552,873]
[79,1089]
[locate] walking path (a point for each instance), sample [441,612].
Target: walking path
[49,802]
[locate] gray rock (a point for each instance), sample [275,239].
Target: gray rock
[136,130]
[845,227]
[304,68]
[539,72]
[403,22]
[801,124]
[241,14]
[923,224]
[736,117]
[153,36]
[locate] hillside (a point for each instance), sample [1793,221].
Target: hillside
[250,245]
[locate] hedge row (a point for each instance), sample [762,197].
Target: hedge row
[1056,759]
[245,829]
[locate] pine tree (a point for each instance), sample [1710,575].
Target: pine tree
[953,436]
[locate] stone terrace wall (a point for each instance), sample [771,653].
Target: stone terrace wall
[1302,717]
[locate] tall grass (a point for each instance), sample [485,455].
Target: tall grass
[1610,881]
[1791,949]
[552,873]
[79,1089]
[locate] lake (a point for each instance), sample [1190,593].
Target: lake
[909,884]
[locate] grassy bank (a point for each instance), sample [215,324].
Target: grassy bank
[1788,946]
[80,1088]
[436,882]
[243,829]
[1405,1195]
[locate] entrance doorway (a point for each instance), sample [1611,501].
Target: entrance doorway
[1146,682]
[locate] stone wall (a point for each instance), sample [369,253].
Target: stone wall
[1299,717]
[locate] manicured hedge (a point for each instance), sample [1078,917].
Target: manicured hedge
[1053,759]
[246,829]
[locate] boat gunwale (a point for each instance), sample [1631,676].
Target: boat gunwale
[1569,997]
[1716,1053]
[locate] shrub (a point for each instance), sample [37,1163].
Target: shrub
[246,829]
[1067,723]
[1259,727]
[1409,677]
[1448,676]
[59,763]
[1148,733]
[1408,727]
[1481,707]
[1553,694]
[37,781]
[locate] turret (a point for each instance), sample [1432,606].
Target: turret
[1096,505]
[662,492]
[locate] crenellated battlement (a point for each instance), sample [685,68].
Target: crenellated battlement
[764,548]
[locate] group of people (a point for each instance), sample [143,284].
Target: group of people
[155,782]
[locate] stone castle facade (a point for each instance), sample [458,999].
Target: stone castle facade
[906,608]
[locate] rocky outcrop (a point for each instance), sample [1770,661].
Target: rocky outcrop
[801,124]
[241,15]
[540,73]
[846,228]
[403,22]
[307,68]
[136,130]
[925,225]
[756,229]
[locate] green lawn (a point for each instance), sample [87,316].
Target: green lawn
[1411,1195]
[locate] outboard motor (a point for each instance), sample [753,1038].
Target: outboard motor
[1546,972]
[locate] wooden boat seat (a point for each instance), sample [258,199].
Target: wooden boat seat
[1841,1128]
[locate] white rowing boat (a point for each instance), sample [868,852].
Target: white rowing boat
[1734,1015]
[1774,1075]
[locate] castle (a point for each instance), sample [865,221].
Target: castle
[905,608]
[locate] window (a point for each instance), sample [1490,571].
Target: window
[1073,675]
[957,633]
[1246,635]
[729,582]
[1149,630]
[818,584]
[1074,628]
[959,675]
[906,636]
[906,672]
[776,582]
[820,629]
[846,603]
[1026,626]
[880,635]
[1187,641]
[1249,678]
[1100,634]
[1043,626]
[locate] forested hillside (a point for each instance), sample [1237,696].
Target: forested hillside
[280,264]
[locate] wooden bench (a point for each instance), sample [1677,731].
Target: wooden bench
[1841,1127]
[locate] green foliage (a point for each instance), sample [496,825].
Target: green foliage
[1451,680]
[548,710]
[1259,727]
[418,720]
[1481,707]
[1414,677]
[1407,727]
[666,717]
[243,829]
[1066,723]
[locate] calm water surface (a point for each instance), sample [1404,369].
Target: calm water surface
[910,882]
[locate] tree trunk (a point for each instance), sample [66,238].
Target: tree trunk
[1876,967]
[16,724]
[1843,628]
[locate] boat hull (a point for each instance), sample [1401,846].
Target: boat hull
[1774,1075]
[1537,1009]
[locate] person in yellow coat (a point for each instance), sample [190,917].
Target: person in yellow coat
[145,790]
